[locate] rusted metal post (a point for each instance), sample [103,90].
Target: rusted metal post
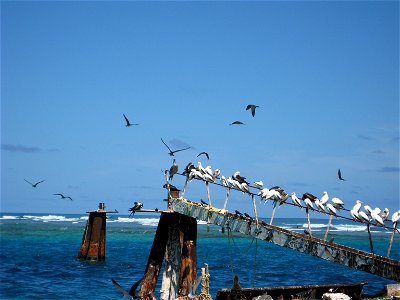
[93,246]
[172,266]
[188,240]
[156,255]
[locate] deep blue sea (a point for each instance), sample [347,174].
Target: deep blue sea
[38,256]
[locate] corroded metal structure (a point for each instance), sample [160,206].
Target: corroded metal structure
[350,257]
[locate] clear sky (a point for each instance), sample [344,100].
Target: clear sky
[325,75]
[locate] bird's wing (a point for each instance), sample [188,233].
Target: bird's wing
[126,119]
[253,111]
[248,107]
[59,195]
[132,291]
[181,149]
[40,181]
[166,145]
[121,289]
[69,198]
[28,182]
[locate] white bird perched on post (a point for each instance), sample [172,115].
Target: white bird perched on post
[319,205]
[308,203]
[363,217]
[331,209]
[239,178]
[295,199]
[216,173]
[368,209]
[355,209]
[259,184]
[200,168]
[385,214]
[337,203]
[395,220]
[244,188]
[377,218]
[223,181]
[208,170]
[324,198]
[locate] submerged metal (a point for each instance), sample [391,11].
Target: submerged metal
[350,257]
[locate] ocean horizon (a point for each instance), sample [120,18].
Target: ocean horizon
[38,256]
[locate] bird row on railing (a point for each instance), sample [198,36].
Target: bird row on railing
[279,196]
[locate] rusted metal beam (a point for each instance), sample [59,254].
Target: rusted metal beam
[188,240]
[156,255]
[296,292]
[350,257]
[93,246]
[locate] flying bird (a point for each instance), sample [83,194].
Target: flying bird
[253,109]
[34,184]
[172,152]
[205,153]
[63,197]
[339,173]
[173,170]
[128,124]
[237,123]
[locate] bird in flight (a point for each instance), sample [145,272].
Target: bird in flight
[33,184]
[237,123]
[205,153]
[170,151]
[63,197]
[253,109]
[339,173]
[128,124]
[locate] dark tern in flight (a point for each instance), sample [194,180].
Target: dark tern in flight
[128,124]
[170,151]
[237,123]
[340,175]
[253,109]
[205,153]
[63,197]
[33,184]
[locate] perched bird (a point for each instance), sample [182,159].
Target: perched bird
[308,199]
[337,203]
[340,175]
[34,184]
[239,178]
[354,211]
[244,187]
[252,107]
[172,152]
[172,188]
[396,217]
[128,124]
[324,198]
[368,209]
[223,181]
[237,123]
[385,214]
[173,170]
[216,173]
[63,197]
[205,153]
[331,209]
[248,216]
[319,205]
[259,184]
[377,218]
[189,167]
[363,217]
[308,203]
[295,199]
[136,206]
[238,213]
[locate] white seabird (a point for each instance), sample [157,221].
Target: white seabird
[363,216]
[377,218]
[295,199]
[308,203]
[385,214]
[324,198]
[331,209]
[368,209]
[259,184]
[319,205]
[337,203]
[396,217]
[354,211]
[223,181]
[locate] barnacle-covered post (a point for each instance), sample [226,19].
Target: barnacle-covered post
[93,246]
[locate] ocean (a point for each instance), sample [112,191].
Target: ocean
[38,256]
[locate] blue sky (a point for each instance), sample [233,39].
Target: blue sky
[325,75]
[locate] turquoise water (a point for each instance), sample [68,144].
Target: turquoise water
[38,257]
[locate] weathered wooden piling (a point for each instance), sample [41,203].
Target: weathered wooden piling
[93,246]
[350,257]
